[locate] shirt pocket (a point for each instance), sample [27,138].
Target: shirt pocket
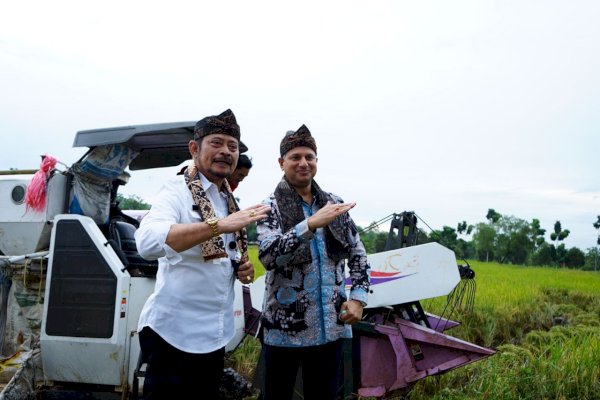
[194,216]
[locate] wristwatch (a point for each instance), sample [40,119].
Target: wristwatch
[212,222]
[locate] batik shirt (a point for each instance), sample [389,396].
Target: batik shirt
[303,301]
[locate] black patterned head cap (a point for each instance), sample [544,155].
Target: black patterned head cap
[223,123]
[299,138]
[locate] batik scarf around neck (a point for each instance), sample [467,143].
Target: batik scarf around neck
[337,239]
[214,247]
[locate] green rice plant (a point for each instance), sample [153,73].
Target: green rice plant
[514,300]
[563,363]
[244,358]
[586,319]
[511,285]
[516,310]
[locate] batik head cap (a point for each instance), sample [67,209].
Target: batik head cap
[299,138]
[223,123]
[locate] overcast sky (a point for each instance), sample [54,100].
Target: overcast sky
[446,108]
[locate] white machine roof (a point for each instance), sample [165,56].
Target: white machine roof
[159,145]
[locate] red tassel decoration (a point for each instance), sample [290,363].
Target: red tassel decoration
[35,197]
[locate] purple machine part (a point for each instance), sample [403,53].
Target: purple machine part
[395,354]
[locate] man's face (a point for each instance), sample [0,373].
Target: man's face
[215,156]
[299,166]
[238,176]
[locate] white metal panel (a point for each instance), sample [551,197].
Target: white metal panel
[238,317]
[257,293]
[140,289]
[83,360]
[88,360]
[399,276]
[22,231]
[411,274]
[18,238]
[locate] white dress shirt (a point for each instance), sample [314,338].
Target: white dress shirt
[192,304]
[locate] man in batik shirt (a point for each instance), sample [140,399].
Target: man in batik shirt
[304,243]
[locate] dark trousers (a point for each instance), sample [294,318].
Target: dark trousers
[321,366]
[175,374]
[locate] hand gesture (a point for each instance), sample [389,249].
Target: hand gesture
[236,221]
[328,213]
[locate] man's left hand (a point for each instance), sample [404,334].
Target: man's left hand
[351,312]
[246,272]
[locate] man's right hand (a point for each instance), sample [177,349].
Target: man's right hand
[328,213]
[236,221]
[184,236]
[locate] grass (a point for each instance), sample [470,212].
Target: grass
[513,300]
[253,255]
[544,322]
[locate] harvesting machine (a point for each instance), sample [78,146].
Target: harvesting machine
[72,284]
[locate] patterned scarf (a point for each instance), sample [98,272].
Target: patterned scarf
[337,240]
[214,247]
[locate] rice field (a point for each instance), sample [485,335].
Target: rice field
[545,324]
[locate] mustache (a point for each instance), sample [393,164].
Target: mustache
[227,160]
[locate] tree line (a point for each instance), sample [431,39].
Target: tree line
[505,239]
[501,238]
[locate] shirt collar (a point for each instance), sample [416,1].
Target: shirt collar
[206,184]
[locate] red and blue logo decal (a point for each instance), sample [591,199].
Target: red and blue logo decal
[378,277]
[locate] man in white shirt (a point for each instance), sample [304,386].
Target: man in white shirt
[197,232]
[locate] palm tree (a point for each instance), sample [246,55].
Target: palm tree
[558,235]
[597,226]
